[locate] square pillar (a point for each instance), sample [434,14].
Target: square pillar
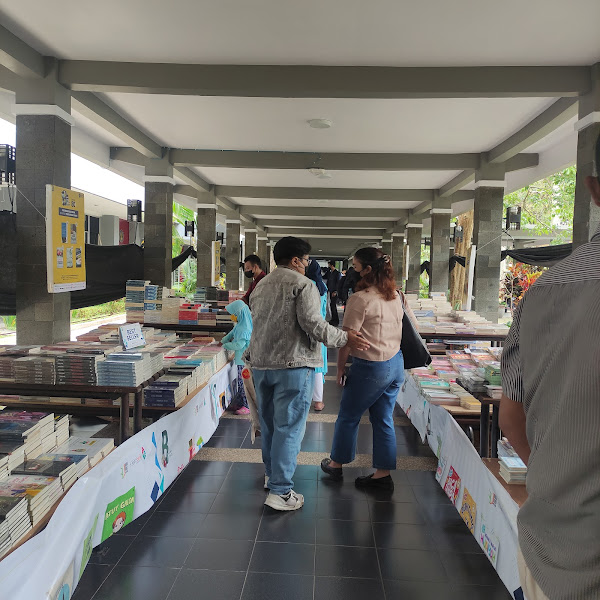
[262,253]
[586,215]
[232,255]
[386,246]
[398,256]
[413,238]
[440,249]
[251,248]
[158,232]
[44,157]
[487,237]
[207,234]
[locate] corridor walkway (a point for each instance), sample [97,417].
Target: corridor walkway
[210,537]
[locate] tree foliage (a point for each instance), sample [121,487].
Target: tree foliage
[187,272]
[547,205]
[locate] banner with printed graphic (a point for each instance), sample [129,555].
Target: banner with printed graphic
[485,506]
[115,492]
[65,240]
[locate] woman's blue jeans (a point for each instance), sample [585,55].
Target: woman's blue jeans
[371,385]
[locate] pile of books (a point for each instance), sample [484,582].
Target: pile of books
[61,429]
[77,368]
[134,299]
[206,294]
[8,355]
[169,391]
[128,369]
[35,369]
[15,522]
[40,491]
[35,431]
[513,470]
[95,449]
[13,451]
[48,465]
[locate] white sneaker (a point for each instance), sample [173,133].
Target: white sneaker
[266,482]
[292,501]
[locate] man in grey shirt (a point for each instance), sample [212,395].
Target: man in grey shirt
[283,354]
[550,412]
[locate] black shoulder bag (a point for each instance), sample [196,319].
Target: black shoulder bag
[414,349]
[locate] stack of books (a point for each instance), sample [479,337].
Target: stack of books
[8,355]
[36,369]
[4,470]
[35,431]
[95,449]
[61,429]
[75,464]
[128,369]
[513,470]
[15,522]
[77,368]
[13,452]
[167,391]
[170,310]
[134,299]
[40,491]
[65,469]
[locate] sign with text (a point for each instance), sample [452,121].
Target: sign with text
[216,263]
[132,336]
[65,240]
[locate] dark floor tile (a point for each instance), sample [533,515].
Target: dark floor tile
[239,504]
[343,509]
[441,514]
[207,467]
[430,495]
[229,527]
[347,561]
[199,483]
[220,554]
[272,586]
[306,487]
[455,538]
[339,489]
[470,569]
[400,477]
[92,579]
[342,588]
[225,442]
[396,512]
[137,583]
[248,445]
[111,550]
[251,470]
[188,502]
[243,485]
[315,446]
[344,533]
[157,552]
[275,557]
[137,525]
[422,478]
[208,585]
[306,472]
[173,524]
[295,527]
[417,590]
[417,565]
[399,535]
[479,592]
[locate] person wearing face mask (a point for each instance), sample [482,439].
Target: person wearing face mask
[252,270]
[283,355]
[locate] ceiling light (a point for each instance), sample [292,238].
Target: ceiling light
[320,173]
[320,123]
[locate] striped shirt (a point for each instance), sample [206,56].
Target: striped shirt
[551,363]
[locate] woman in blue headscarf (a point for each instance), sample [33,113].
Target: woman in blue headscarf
[238,339]
[314,272]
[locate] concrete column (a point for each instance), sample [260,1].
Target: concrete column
[440,249]
[262,252]
[413,238]
[207,234]
[251,248]
[487,237]
[271,258]
[44,145]
[158,221]
[586,215]
[386,246]
[232,256]
[398,256]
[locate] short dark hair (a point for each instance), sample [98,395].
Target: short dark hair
[289,247]
[254,260]
[332,263]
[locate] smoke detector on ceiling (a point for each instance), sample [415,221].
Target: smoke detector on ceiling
[320,123]
[320,173]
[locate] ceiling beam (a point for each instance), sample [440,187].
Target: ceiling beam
[522,161]
[97,111]
[350,234]
[192,178]
[321,224]
[455,184]
[299,212]
[19,57]
[310,193]
[299,81]
[332,161]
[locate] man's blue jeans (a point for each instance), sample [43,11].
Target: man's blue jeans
[371,385]
[283,397]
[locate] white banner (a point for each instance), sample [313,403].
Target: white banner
[485,506]
[119,489]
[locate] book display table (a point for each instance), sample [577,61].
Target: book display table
[496,340]
[220,328]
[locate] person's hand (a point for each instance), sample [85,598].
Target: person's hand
[341,377]
[333,294]
[356,341]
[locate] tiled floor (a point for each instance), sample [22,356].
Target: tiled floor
[211,537]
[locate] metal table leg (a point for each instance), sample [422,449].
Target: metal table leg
[137,411]
[124,418]
[495,430]
[484,431]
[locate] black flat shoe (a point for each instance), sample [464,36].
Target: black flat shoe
[334,472]
[382,483]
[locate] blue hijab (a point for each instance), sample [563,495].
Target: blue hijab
[243,327]
[314,272]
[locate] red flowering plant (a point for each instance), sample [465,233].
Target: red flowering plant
[517,280]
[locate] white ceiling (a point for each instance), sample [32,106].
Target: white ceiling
[329,203]
[342,32]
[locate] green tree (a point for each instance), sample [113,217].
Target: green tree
[547,205]
[181,214]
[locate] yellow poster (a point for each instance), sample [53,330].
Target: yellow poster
[468,511]
[216,263]
[65,239]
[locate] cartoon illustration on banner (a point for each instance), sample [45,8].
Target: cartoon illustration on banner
[118,513]
[468,511]
[63,590]
[452,486]
[88,547]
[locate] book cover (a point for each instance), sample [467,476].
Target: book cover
[452,485]
[489,542]
[468,511]
[118,513]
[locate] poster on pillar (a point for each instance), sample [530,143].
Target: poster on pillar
[65,239]
[215,268]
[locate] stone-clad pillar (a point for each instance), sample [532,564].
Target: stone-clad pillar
[158,221]
[43,111]
[586,215]
[440,249]
[251,248]
[262,252]
[487,237]
[232,255]
[386,246]
[207,234]
[398,256]
[413,239]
